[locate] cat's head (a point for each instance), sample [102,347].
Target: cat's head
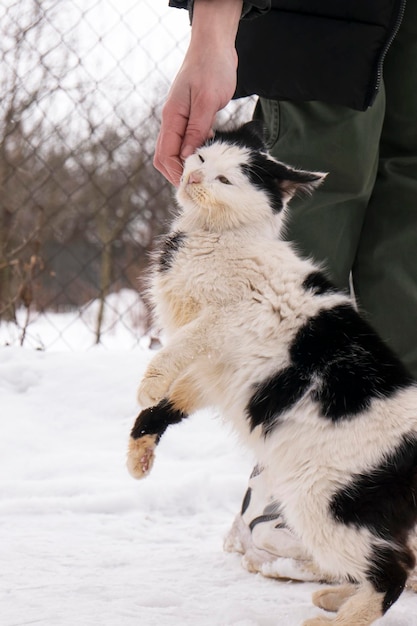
[231,182]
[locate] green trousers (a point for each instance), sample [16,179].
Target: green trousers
[362,222]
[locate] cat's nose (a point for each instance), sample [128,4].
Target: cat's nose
[195,177]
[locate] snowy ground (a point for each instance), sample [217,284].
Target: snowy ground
[83,544]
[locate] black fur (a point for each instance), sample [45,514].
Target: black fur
[319,284]
[388,573]
[156,419]
[385,499]
[168,249]
[343,362]
[350,361]
[263,174]
[250,135]
[276,179]
[275,396]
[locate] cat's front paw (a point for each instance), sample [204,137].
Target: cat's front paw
[151,391]
[141,455]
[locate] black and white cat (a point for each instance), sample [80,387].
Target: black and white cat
[262,335]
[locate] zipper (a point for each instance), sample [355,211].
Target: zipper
[392,34]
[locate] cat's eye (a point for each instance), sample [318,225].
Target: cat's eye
[224,180]
[201,158]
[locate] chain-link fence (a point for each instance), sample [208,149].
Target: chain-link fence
[82,83]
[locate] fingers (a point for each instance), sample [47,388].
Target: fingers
[168,146]
[180,136]
[199,127]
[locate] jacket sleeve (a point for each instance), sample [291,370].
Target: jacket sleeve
[251,8]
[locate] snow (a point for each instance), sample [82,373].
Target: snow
[124,323]
[84,544]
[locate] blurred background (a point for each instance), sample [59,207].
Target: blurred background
[81,206]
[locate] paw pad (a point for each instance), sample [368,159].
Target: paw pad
[140,455]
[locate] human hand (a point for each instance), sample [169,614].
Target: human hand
[204,84]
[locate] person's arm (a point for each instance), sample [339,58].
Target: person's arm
[204,84]
[251,8]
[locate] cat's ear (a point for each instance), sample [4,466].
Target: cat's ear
[292,181]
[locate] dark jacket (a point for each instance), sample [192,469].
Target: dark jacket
[328,50]
[250,7]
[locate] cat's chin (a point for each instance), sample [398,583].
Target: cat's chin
[196,193]
[192,201]
[183,195]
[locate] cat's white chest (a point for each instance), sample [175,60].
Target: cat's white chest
[184,290]
[206,272]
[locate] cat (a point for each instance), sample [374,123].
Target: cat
[263,335]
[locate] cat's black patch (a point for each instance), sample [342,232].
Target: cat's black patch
[318,283]
[348,361]
[168,249]
[383,500]
[337,358]
[262,173]
[388,572]
[250,135]
[156,419]
[277,180]
[275,396]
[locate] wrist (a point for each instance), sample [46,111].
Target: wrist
[215,23]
